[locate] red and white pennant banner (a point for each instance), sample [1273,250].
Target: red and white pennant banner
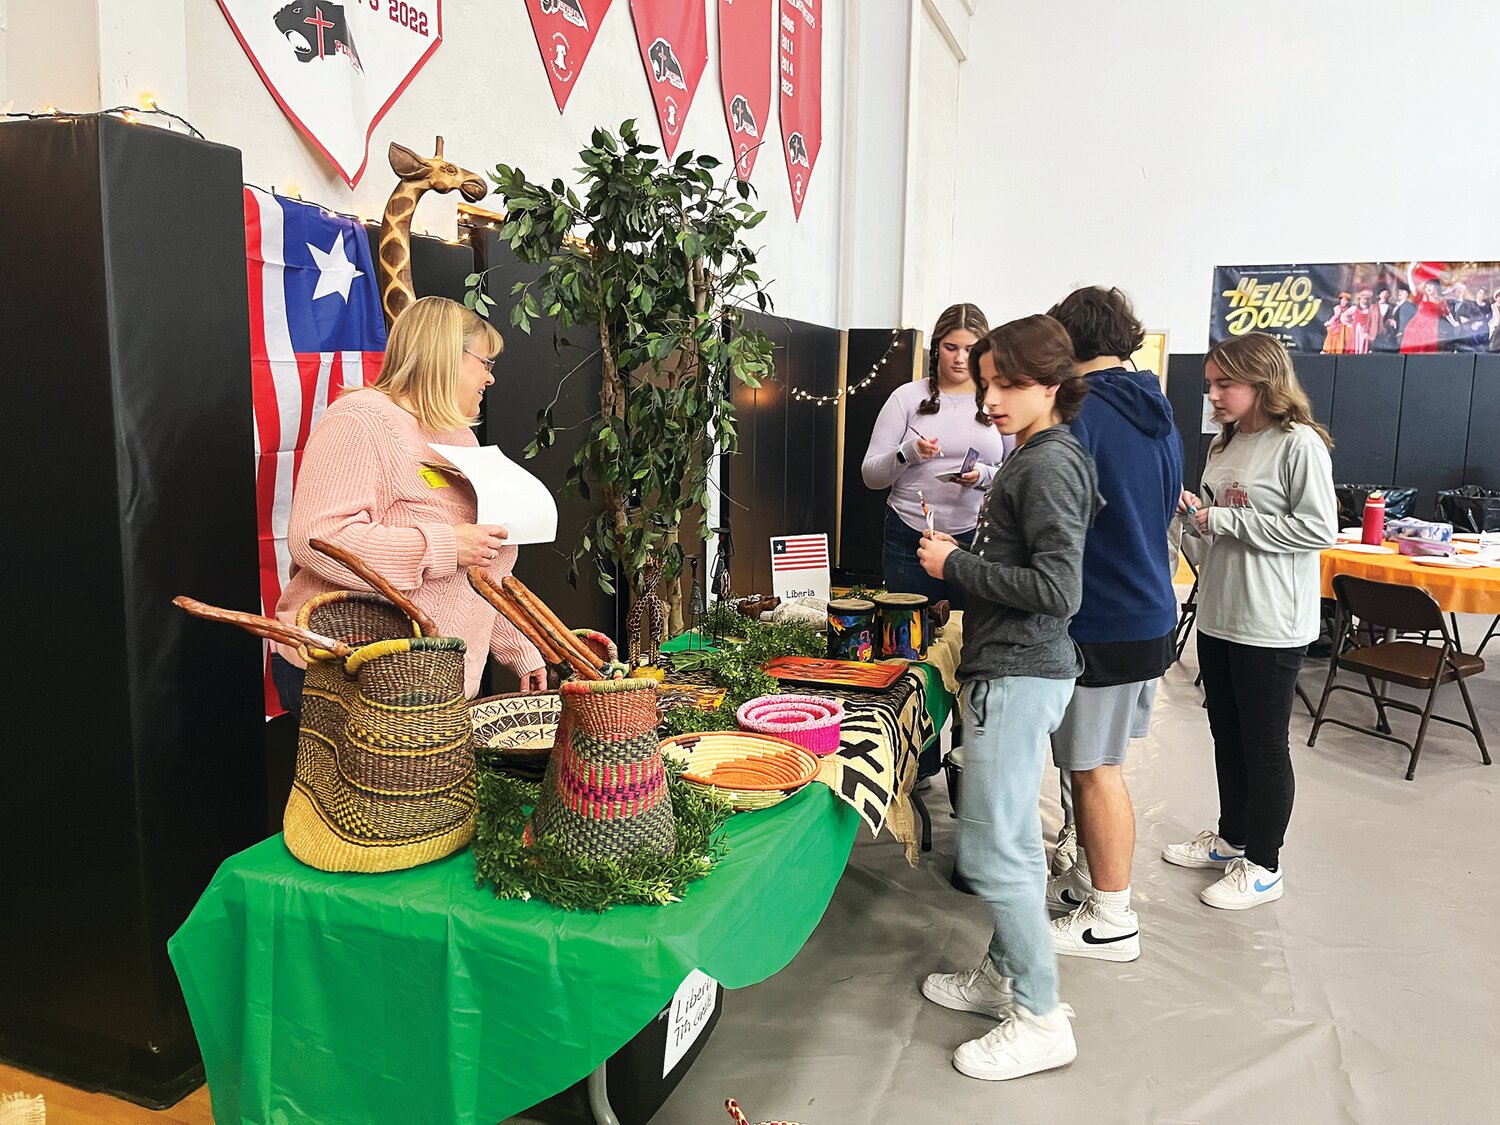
[746,28]
[799,35]
[565,32]
[673,36]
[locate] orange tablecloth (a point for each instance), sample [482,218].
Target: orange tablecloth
[1456,590]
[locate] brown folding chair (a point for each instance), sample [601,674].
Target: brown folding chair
[1396,609]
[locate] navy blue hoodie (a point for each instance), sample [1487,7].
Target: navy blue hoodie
[1126,425]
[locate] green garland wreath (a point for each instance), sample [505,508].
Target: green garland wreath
[548,871]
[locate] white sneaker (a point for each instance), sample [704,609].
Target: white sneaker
[1023,1043]
[1066,854]
[1092,931]
[981,990]
[1207,849]
[1244,885]
[1068,891]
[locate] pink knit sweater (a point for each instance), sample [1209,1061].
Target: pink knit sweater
[360,487]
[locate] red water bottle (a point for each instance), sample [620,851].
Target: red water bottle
[1373,531]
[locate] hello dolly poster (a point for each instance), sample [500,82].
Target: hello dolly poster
[1353,308]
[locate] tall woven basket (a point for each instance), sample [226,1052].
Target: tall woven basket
[385,765]
[605,792]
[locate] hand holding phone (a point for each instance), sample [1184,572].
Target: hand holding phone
[971,458]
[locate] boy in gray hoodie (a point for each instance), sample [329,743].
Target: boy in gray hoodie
[1023,577]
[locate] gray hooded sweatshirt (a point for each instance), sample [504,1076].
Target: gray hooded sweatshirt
[1024,573]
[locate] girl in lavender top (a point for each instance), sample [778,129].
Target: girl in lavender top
[922,435]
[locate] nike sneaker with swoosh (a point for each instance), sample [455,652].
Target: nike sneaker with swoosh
[1066,854]
[1093,931]
[1244,885]
[1068,891]
[1205,850]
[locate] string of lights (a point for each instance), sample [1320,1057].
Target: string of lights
[828,400]
[131,114]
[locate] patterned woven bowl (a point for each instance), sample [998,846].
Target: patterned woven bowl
[514,733]
[811,721]
[750,771]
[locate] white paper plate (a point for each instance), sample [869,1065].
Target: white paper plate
[1354,531]
[1367,549]
[1466,537]
[1447,560]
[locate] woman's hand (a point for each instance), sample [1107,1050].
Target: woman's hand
[969,479]
[479,543]
[534,681]
[1187,502]
[933,552]
[1200,520]
[927,450]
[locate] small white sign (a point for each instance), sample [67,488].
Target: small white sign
[691,1006]
[508,494]
[1208,425]
[799,567]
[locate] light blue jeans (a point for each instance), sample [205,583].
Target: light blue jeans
[1008,723]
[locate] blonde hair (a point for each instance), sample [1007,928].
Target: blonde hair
[1261,362]
[423,354]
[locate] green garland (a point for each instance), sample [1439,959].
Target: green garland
[738,667]
[548,871]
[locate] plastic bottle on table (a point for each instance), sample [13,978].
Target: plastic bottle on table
[1373,531]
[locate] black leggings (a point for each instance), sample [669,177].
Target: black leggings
[1250,692]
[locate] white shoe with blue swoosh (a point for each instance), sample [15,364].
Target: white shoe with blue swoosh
[1207,849]
[1244,885]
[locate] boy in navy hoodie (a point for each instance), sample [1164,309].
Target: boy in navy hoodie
[1125,624]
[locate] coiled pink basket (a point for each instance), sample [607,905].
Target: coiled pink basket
[811,721]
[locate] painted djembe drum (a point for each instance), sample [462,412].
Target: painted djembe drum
[901,622]
[851,629]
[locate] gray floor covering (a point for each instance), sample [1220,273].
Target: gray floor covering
[1369,993]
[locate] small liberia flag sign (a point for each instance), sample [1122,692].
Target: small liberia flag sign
[799,566]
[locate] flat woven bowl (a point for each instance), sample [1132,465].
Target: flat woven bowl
[750,771]
[515,733]
[811,721]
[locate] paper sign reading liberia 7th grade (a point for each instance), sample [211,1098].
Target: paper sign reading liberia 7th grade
[508,494]
[799,567]
[692,1004]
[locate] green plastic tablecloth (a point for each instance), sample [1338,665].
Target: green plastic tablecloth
[417,996]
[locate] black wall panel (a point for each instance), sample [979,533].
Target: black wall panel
[862,520]
[1185,393]
[137,765]
[1315,373]
[1434,426]
[1482,459]
[530,373]
[1366,418]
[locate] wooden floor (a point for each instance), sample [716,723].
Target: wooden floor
[68,1106]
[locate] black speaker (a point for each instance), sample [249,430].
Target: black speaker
[134,764]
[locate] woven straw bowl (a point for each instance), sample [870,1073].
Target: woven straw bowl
[515,733]
[751,771]
[811,721]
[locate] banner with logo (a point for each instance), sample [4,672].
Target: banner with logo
[799,36]
[673,36]
[745,31]
[565,32]
[1353,308]
[335,69]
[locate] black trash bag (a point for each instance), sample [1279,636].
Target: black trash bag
[1400,503]
[1470,508]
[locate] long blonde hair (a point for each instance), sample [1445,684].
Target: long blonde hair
[423,354]
[1261,361]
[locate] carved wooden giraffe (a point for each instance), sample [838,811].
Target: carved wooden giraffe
[649,610]
[419,174]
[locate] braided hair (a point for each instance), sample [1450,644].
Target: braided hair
[955,318]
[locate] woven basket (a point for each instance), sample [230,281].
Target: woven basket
[605,792]
[385,768]
[750,771]
[514,733]
[811,721]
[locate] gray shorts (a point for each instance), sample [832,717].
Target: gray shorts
[1100,723]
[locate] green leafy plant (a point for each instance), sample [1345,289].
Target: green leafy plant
[546,870]
[738,668]
[650,256]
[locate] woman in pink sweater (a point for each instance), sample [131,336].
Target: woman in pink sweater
[366,484]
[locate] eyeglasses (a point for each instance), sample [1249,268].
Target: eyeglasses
[489,364]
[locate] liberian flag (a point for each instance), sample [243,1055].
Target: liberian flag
[315,328]
[799,552]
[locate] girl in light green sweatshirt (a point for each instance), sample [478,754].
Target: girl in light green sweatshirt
[1267,510]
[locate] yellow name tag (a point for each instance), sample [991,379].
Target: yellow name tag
[434,477]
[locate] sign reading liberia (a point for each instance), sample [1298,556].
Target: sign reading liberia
[745,31]
[799,37]
[565,32]
[335,69]
[799,566]
[673,36]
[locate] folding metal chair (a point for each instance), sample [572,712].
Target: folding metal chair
[1396,609]
[1188,612]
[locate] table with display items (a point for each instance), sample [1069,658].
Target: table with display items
[1455,589]
[418,996]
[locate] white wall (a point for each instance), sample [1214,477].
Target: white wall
[51,55]
[1107,147]
[486,92]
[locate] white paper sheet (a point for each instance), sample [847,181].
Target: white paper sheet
[508,494]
